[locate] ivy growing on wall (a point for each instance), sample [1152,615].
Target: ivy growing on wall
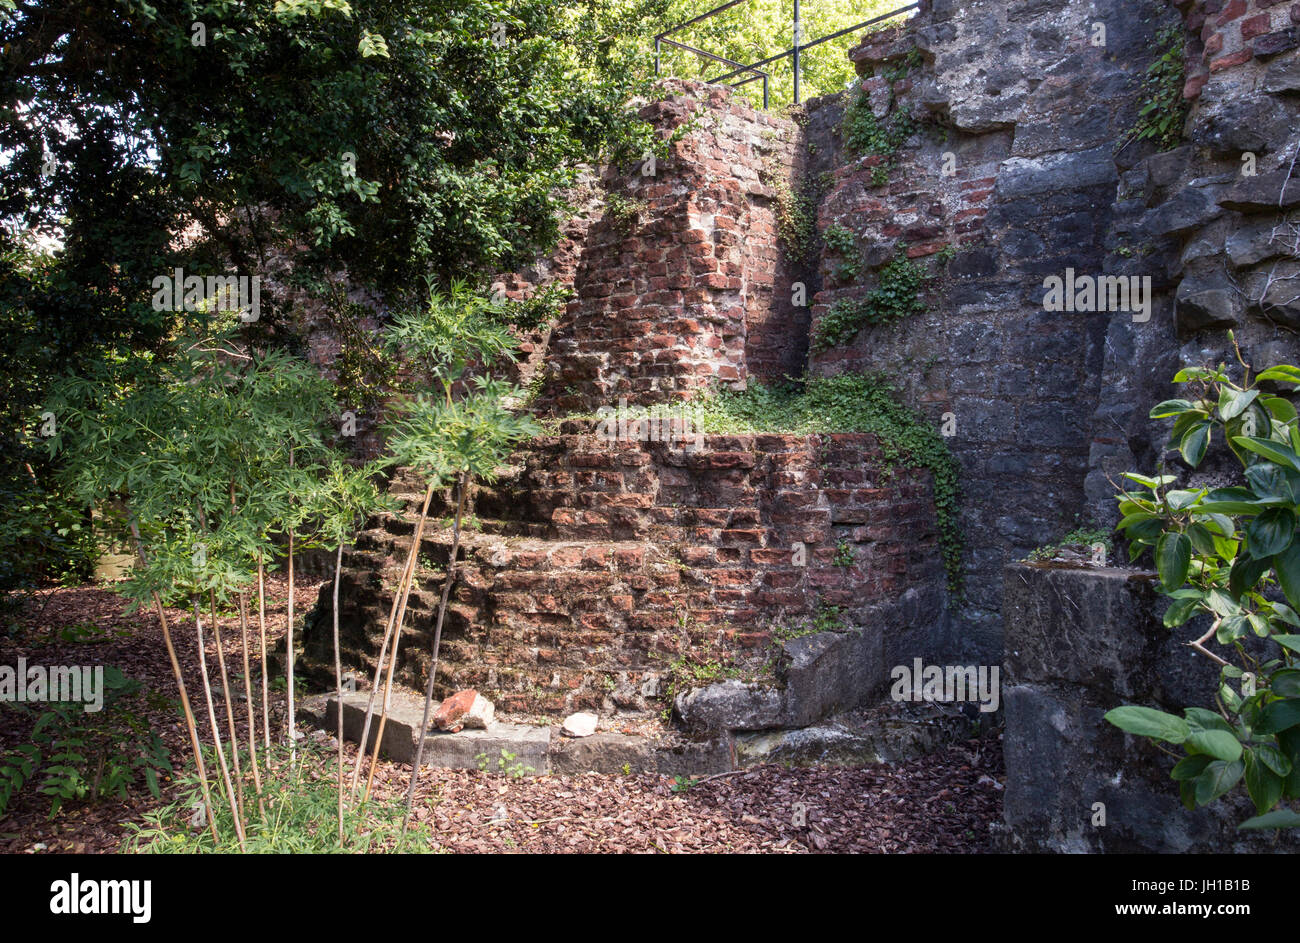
[841,242]
[895,297]
[866,135]
[1164,110]
[796,214]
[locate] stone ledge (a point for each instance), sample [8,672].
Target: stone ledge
[537,750]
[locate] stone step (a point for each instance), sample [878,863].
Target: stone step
[523,749]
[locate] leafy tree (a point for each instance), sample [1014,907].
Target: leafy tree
[198,448]
[1232,554]
[396,140]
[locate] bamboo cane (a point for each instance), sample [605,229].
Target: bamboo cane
[216,730]
[261,628]
[397,637]
[408,572]
[248,702]
[293,739]
[190,724]
[338,679]
[230,707]
[433,661]
[248,689]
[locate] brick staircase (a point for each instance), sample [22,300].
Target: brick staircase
[587,566]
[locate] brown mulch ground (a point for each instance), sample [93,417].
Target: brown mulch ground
[945,802]
[939,803]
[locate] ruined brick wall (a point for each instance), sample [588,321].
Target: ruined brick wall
[1229,33]
[1025,167]
[593,564]
[675,286]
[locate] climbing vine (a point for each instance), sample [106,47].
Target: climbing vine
[1161,117]
[796,213]
[866,135]
[894,298]
[843,243]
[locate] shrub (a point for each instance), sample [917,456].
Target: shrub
[1232,554]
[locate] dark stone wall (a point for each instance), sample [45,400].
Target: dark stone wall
[1025,166]
[1079,643]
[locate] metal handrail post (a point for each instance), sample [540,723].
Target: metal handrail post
[796,53]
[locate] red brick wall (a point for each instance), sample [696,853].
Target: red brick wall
[1232,33]
[678,295]
[597,562]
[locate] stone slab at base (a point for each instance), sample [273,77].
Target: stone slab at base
[535,750]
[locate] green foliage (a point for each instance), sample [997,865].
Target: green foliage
[796,214]
[1163,111]
[624,213]
[301,807]
[463,121]
[700,662]
[507,764]
[1085,537]
[843,243]
[849,402]
[895,297]
[88,633]
[866,135]
[43,536]
[397,142]
[441,434]
[454,330]
[74,755]
[542,307]
[1231,554]
[825,618]
[844,554]
[213,451]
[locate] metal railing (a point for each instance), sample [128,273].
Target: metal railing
[754,67]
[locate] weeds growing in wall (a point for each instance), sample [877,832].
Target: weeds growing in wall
[866,135]
[796,214]
[895,297]
[1164,110]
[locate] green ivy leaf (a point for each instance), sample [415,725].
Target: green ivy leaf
[1218,777]
[1273,451]
[1287,565]
[1189,767]
[1279,818]
[1171,407]
[1270,533]
[1233,402]
[1283,373]
[1263,785]
[1216,743]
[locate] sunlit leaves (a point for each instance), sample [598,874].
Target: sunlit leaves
[1221,555]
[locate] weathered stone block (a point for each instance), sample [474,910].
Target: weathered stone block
[1079,643]
[1204,304]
